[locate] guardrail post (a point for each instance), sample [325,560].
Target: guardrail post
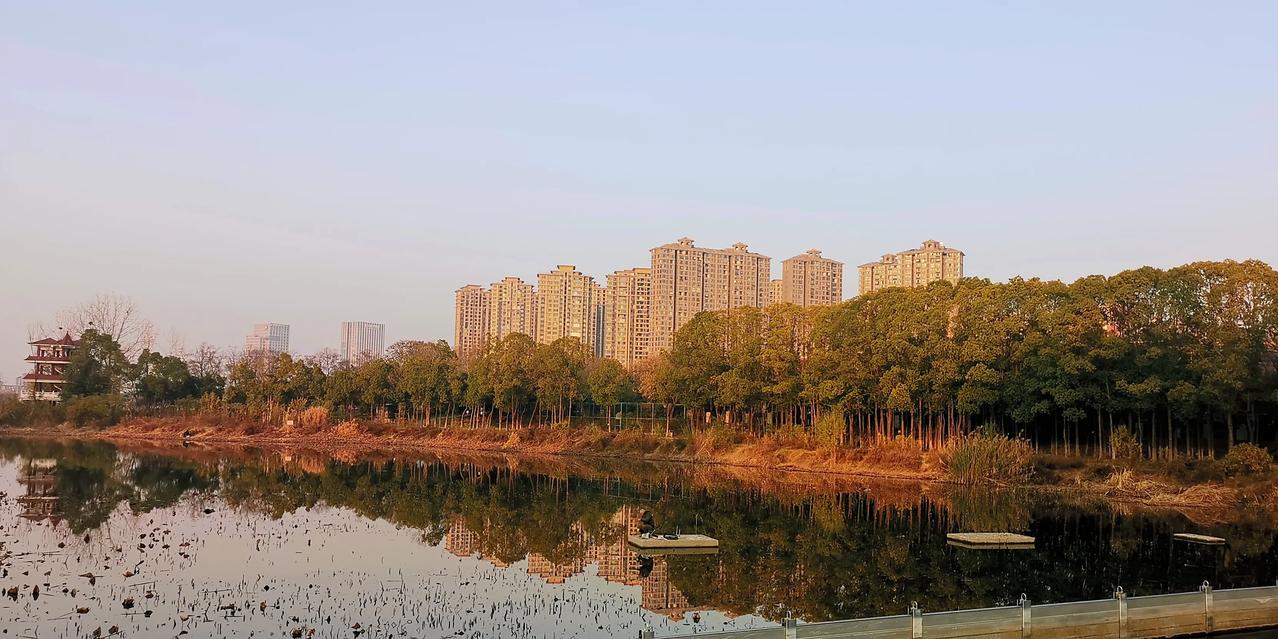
[1122,612]
[1026,629]
[1209,613]
[916,621]
[791,628]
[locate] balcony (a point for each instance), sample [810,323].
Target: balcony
[49,358]
[28,395]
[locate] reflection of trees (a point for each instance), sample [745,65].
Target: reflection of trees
[816,557]
[93,479]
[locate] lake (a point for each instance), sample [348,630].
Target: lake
[165,541]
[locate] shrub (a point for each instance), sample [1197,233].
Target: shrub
[827,431]
[1246,459]
[95,410]
[987,457]
[791,434]
[314,416]
[18,413]
[14,412]
[1124,446]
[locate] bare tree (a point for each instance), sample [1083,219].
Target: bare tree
[328,360]
[206,361]
[37,330]
[177,344]
[114,315]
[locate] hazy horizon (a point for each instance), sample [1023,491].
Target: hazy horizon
[309,165]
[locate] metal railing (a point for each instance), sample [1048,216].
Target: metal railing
[1122,617]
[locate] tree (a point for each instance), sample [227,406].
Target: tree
[426,375]
[159,379]
[208,370]
[697,359]
[375,379]
[508,375]
[115,316]
[98,366]
[609,385]
[558,375]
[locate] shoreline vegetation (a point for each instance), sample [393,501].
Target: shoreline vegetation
[1153,386]
[1210,489]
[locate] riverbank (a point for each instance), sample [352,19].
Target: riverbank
[1143,484]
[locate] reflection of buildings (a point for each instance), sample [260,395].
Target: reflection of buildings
[40,501]
[659,595]
[460,540]
[610,552]
[617,562]
[556,573]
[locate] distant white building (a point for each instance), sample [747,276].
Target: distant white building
[362,341]
[267,338]
[11,389]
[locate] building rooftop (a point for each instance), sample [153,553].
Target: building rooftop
[813,255]
[65,340]
[687,243]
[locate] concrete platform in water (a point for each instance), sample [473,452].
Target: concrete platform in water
[991,540]
[1199,539]
[683,542]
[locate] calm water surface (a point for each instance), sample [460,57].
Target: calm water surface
[242,543]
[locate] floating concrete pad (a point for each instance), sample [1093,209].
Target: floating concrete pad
[991,540]
[1199,539]
[666,552]
[684,541]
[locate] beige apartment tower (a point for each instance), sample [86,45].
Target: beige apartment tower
[512,308]
[470,327]
[929,263]
[568,305]
[774,292]
[627,316]
[811,280]
[687,280]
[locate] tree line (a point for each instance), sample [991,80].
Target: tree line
[1184,360]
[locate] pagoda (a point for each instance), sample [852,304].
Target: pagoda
[49,358]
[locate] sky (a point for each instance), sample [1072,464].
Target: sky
[309,163]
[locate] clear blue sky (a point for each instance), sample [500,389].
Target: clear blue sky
[247,161]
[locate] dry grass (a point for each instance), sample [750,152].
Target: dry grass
[313,417]
[348,428]
[900,453]
[1127,485]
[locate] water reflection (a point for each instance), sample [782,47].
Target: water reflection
[607,551]
[512,536]
[40,500]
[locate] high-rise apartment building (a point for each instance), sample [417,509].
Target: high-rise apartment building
[627,316]
[568,306]
[774,292]
[811,280]
[929,263]
[687,280]
[267,339]
[362,341]
[512,308]
[470,327]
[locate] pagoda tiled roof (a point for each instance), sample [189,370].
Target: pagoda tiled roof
[65,340]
